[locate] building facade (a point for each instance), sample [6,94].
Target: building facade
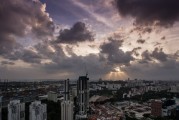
[52,96]
[0,107]
[37,111]
[66,104]
[156,108]
[66,90]
[67,110]
[163,108]
[16,110]
[82,97]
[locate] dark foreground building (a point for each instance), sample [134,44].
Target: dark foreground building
[82,98]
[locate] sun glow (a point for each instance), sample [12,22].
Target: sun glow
[116,74]
[117,69]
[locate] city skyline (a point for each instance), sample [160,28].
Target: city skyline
[112,39]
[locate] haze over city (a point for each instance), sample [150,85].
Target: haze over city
[109,39]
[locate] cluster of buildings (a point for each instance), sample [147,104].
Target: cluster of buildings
[69,110]
[16,111]
[105,85]
[137,110]
[106,112]
[76,104]
[163,108]
[140,90]
[79,111]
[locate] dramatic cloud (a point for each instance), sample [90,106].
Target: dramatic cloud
[150,12]
[159,55]
[141,41]
[19,18]
[78,33]
[7,44]
[142,29]
[26,55]
[135,51]
[113,54]
[146,56]
[77,65]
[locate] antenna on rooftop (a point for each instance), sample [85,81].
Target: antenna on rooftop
[86,71]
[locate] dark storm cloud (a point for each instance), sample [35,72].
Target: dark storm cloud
[78,33]
[159,55]
[140,41]
[163,38]
[156,54]
[8,44]
[146,56]
[114,54]
[150,12]
[20,17]
[30,56]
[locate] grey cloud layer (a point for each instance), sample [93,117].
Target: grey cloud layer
[157,54]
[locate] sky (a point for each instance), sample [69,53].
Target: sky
[108,39]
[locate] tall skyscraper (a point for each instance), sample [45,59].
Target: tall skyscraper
[82,97]
[16,110]
[0,107]
[38,111]
[66,90]
[67,110]
[66,105]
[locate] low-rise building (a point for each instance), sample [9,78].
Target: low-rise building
[52,96]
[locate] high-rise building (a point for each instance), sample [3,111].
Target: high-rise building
[66,105]
[0,107]
[162,108]
[16,110]
[156,108]
[67,110]
[82,97]
[37,111]
[66,90]
[74,92]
